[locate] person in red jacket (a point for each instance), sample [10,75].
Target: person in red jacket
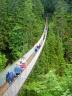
[23,64]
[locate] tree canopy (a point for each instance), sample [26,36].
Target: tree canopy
[21,25]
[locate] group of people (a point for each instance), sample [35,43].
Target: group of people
[37,48]
[10,76]
[17,70]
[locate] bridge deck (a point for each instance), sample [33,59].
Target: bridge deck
[12,90]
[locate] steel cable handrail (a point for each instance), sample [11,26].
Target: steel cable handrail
[14,88]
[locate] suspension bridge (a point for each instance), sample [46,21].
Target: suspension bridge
[30,59]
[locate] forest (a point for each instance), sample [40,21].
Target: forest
[21,25]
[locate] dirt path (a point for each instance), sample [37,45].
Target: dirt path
[3,88]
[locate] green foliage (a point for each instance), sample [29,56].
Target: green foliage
[2,61]
[48,85]
[68,50]
[49,5]
[62,26]
[52,76]
[21,25]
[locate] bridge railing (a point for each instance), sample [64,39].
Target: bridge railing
[11,68]
[17,84]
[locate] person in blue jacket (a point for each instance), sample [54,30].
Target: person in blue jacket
[37,48]
[18,70]
[10,77]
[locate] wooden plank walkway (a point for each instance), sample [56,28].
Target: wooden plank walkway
[6,89]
